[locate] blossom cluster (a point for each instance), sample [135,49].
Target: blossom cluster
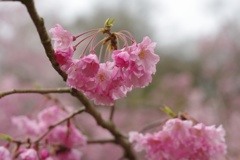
[131,66]
[182,140]
[61,143]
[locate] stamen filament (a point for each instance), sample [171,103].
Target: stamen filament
[93,30]
[84,39]
[83,53]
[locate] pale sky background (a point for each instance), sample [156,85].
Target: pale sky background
[173,20]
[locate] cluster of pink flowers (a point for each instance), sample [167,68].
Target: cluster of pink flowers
[4,153]
[182,140]
[61,143]
[104,82]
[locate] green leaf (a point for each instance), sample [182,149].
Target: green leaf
[5,137]
[109,23]
[169,112]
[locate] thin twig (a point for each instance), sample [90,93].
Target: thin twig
[58,123]
[112,113]
[37,91]
[119,137]
[46,42]
[8,0]
[101,141]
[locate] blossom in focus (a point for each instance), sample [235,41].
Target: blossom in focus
[62,38]
[4,153]
[64,59]
[62,46]
[89,65]
[106,78]
[121,58]
[181,140]
[143,55]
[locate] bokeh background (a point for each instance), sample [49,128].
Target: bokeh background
[199,71]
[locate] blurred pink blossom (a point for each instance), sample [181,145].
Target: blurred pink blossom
[64,135]
[4,153]
[29,154]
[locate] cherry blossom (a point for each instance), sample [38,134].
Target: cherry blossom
[105,80]
[67,136]
[62,38]
[29,154]
[4,153]
[121,58]
[62,46]
[183,138]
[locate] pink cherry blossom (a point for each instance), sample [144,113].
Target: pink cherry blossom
[29,154]
[121,58]
[77,80]
[62,46]
[26,125]
[89,65]
[109,85]
[69,137]
[118,88]
[82,72]
[52,115]
[137,77]
[64,59]
[65,135]
[122,69]
[4,153]
[62,38]
[137,137]
[100,94]
[143,55]
[45,118]
[184,139]
[44,154]
[103,77]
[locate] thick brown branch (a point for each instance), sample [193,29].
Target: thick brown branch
[119,138]
[39,23]
[37,91]
[42,32]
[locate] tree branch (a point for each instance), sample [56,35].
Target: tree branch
[46,42]
[112,113]
[101,141]
[119,137]
[8,0]
[42,32]
[37,91]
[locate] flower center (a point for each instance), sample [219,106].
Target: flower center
[141,54]
[101,77]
